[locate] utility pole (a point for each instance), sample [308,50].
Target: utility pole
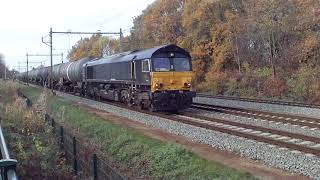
[5,72]
[27,70]
[120,40]
[51,82]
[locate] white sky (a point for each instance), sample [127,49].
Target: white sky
[24,22]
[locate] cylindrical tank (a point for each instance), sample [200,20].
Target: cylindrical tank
[43,73]
[38,75]
[35,75]
[56,72]
[30,75]
[64,70]
[73,71]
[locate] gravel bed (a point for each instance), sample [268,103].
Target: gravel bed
[270,155]
[293,110]
[257,122]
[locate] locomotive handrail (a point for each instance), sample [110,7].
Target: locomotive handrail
[7,165]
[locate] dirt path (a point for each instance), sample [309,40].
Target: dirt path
[205,151]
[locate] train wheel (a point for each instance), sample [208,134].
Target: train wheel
[151,107]
[129,102]
[141,106]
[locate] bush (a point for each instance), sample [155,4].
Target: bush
[264,73]
[216,82]
[304,85]
[31,139]
[274,87]
[232,87]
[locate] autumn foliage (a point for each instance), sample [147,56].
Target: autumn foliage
[245,48]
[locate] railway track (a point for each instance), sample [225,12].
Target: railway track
[289,103]
[293,142]
[304,122]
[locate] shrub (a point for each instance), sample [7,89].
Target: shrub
[305,84]
[31,140]
[232,87]
[216,82]
[274,87]
[264,72]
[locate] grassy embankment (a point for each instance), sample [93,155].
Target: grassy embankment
[29,137]
[145,155]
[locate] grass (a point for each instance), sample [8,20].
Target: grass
[31,92]
[154,158]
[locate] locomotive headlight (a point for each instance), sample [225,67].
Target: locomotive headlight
[187,85]
[158,85]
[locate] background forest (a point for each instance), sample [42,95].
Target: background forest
[4,71]
[250,48]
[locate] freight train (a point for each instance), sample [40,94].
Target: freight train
[158,79]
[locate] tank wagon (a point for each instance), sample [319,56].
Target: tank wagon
[158,79]
[71,75]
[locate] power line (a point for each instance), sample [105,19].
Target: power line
[40,55]
[50,43]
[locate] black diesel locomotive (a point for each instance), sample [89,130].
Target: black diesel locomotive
[158,79]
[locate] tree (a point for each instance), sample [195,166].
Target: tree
[274,20]
[3,67]
[94,47]
[159,24]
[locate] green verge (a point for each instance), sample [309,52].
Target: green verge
[31,92]
[154,158]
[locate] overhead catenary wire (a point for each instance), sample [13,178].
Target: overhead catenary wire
[50,44]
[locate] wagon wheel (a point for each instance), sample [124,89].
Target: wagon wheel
[129,102]
[151,107]
[141,106]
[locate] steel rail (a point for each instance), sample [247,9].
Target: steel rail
[256,100]
[270,116]
[292,146]
[257,128]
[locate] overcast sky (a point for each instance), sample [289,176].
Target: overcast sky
[24,22]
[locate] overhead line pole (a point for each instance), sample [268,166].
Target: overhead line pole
[40,55]
[51,82]
[27,70]
[5,72]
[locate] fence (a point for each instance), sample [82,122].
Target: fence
[7,165]
[82,159]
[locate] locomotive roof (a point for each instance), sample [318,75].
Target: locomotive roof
[139,54]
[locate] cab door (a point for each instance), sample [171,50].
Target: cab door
[133,71]
[143,69]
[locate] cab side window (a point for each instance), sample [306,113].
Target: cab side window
[146,65]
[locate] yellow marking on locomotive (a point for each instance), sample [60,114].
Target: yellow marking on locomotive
[162,81]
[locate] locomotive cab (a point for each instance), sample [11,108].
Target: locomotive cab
[171,77]
[158,78]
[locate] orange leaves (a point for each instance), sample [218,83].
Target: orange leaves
[94,47]
[161,23]
[310,49]
[274,87]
